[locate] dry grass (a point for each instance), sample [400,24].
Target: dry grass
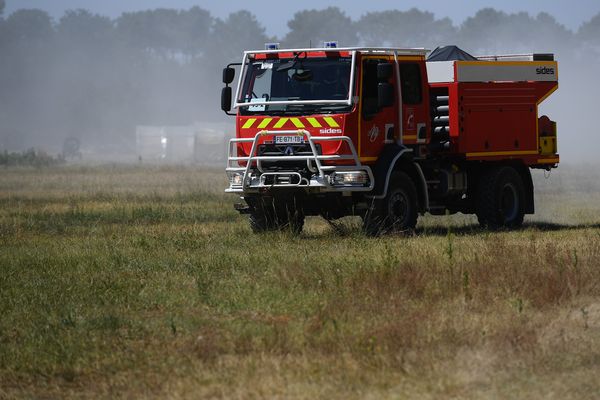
[129,282]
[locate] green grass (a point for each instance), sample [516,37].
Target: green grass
[144,282]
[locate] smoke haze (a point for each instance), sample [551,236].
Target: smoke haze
[98,79]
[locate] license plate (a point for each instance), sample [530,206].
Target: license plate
[296,139]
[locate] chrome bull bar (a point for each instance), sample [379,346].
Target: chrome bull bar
[323,177]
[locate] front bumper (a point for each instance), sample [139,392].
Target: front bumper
[253,178]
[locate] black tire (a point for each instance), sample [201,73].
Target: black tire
[261,221]
[501,199]
[397,212]
[276,214]
[293,221]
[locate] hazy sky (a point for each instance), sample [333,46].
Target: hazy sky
[274,14]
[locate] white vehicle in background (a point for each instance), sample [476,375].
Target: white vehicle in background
[198,143]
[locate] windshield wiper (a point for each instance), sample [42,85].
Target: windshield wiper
[301,106]
[291,64]
[325,108]
[335,107]
[301,109]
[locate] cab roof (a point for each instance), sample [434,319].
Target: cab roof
[347,51]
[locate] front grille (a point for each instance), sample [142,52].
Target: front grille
[287,149]
[282,150]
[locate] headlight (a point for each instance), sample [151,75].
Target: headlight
[236,179]
[350,178]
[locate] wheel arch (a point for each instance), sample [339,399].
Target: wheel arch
[525,173]
[399,158]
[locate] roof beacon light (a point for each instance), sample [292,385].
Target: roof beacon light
[271,46]
[330,45]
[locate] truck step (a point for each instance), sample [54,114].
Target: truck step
[442,145]
[441,120]
[440,130]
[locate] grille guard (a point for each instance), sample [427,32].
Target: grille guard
[254,179]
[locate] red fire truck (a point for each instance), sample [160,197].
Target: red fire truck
[387,134]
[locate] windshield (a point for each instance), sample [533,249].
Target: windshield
[316,80]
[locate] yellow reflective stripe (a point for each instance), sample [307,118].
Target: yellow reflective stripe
[264,123]
[280,123]
[331,122]
[249,123]
[313,122]
[297,122]
[365,159]
[501,153]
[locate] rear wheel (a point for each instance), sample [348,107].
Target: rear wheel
[397,212]
[501,199]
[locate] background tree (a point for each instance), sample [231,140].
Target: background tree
[84,67]
[167,32]
[589,32]
[490,31]
[549,34]
[316,26]
[480,32]
[26,46]
[28,26]
[238,32]
[412,28]
[152,30]
[195,26]
[81,26]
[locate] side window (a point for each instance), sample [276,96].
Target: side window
[369,88]
[262,84]
[410,74]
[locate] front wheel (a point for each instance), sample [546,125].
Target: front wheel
[397,212]
[276,215]
[501,199]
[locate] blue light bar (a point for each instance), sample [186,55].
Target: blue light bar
[271,46]
[330,45]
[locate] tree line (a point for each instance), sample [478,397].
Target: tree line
[95,78]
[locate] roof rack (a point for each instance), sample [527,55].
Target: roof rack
[518,57]
[384,50]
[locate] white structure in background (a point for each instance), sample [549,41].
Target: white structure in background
[198,143]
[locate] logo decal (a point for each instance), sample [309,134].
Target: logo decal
[410,119]
[330,130]
[544,71]
[373,133]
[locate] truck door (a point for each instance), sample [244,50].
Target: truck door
[415,113]
[377,126]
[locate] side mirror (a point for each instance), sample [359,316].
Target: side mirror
[228,74]
[226,99]
[384,71]
[385,95]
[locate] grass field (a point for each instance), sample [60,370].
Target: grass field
[141,282]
